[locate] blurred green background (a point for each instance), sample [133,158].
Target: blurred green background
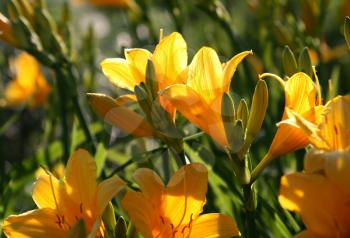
[30,137]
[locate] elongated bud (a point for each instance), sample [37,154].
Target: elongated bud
[120,228]
[289,62]
[151,80]
[305,64]
[108,218]
[242,113]
[78,230]
[257,110]
[347,30]
[227,108]
[6,31]
[143,100]
[234,132]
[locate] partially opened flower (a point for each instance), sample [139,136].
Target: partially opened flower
[29,85]
[326,173]
[174,210]
[332,131]
[61,203]
[199,99]
[300,96]
[170,62]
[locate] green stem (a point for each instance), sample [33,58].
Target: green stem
[79,112]
[260,167]
[63,109]
[249,205]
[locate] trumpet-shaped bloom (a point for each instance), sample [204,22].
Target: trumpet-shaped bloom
[332,132]
[29,86]
[300,96]
[199,99]
[61,203]
[170,63]
[326,176]
[174,210]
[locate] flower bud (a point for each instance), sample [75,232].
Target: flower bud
[289,63]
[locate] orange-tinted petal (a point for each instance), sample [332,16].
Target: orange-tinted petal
[119,116]
[41,223]
[106,190]
[205,74]
[150,184]
[196,110]
[212,226]
[185,194]
[81,180]
[337,167]
[140,211]
[230,68]
[323,217]
[170,59]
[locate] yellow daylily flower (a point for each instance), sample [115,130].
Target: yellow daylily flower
[29,85]
[170,62]
[174,210]
[199,99]
[300,96]
[326,176]
[332,131]
[6,33]
[61,203]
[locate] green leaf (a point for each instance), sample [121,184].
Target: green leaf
[305,64]
[289,62]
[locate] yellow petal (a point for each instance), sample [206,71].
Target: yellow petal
[119,116]
[230,68]
[41,223]
[212,226]
[27,70]
[323,217]
[300,92]
[106,190]
[287,139]
[335,128]
[15,94]
[206,74]
[197,111]
[142,214]
[170,59]
[337,168]
[121,73]
[185,194]
[314,161]
[138,58]
[47,191]
[150,184]
[42,90]
[81,180]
